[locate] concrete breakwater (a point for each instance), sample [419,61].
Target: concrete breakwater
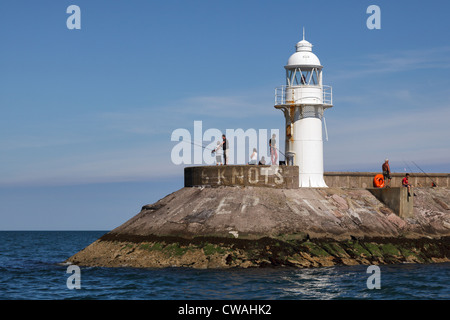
[285,177]
[247,226]
[288,177]
[114,250]
[365,179]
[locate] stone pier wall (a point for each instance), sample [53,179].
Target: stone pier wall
[285,177]
[288,177]
[397,199]
[365,179]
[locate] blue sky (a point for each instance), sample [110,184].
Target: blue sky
[87,115]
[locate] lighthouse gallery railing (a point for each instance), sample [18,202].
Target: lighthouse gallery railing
[280,95]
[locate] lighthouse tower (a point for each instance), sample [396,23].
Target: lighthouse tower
[303,101]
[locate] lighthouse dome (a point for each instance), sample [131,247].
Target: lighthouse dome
[303,56]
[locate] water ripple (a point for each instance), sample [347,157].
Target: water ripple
[30,269]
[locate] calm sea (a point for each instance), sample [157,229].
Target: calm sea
[30,268]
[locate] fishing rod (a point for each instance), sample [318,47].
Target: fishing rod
[285,158]
[410,170]
[433,183]
[214,150]
[198,145]
[195,144]
[280,152]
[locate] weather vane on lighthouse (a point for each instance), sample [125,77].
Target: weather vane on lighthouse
[303,101]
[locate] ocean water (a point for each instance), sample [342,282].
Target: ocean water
[30,268]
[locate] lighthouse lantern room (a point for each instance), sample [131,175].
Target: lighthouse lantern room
[303,101]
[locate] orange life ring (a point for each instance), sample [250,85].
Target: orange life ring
[378,181]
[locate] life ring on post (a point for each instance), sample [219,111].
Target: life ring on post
[378,181]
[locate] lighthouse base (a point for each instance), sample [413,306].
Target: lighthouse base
[281,177]
[311,180]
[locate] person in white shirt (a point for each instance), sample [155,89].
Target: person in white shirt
[219,153]
[254,157]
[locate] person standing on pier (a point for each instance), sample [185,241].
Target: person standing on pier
[225,146]
[219,153]
[273,150]
[386,172]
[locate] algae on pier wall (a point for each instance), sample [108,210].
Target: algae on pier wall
[156,252]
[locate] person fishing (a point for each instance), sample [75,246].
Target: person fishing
[218,151]
[406,184]
[273,150]
[386,172]
[225,145]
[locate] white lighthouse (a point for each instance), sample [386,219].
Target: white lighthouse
[303,101]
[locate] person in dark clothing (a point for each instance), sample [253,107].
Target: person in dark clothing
[262,161]
[225,146]
[386,172]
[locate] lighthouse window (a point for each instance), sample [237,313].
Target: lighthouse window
[298,77]
[302,78]
[305,77]
[314,77]
[290,79]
